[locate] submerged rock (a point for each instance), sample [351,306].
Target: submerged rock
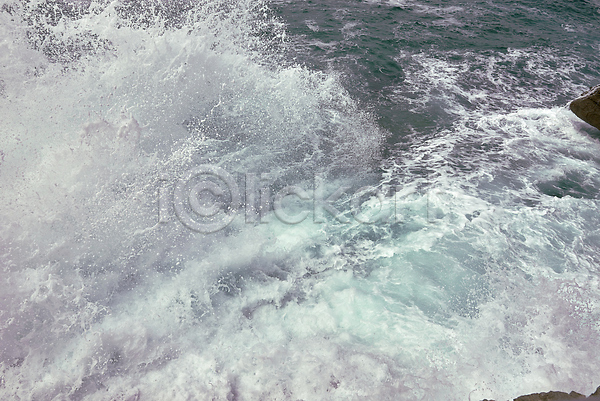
[587,106]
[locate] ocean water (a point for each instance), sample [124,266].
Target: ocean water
[297,200]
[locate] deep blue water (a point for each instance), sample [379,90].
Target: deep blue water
[297,200]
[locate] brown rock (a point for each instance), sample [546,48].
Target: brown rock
[552,396]
[557,396]
[587,106]
[595,396]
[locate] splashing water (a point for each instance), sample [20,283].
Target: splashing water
[484,283]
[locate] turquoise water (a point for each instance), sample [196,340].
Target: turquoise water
[297,200]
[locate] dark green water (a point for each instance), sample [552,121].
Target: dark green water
[519,54]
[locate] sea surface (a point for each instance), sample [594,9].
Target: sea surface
[298,200]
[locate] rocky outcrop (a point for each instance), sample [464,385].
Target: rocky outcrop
[558,396]
[552,396]
[587,106]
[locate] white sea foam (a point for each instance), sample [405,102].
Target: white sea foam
[485,286]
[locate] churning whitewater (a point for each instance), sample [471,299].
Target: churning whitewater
[290,200]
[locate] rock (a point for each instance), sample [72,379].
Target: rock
[587,106]
[552,396]
[557,396]
[595,396]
